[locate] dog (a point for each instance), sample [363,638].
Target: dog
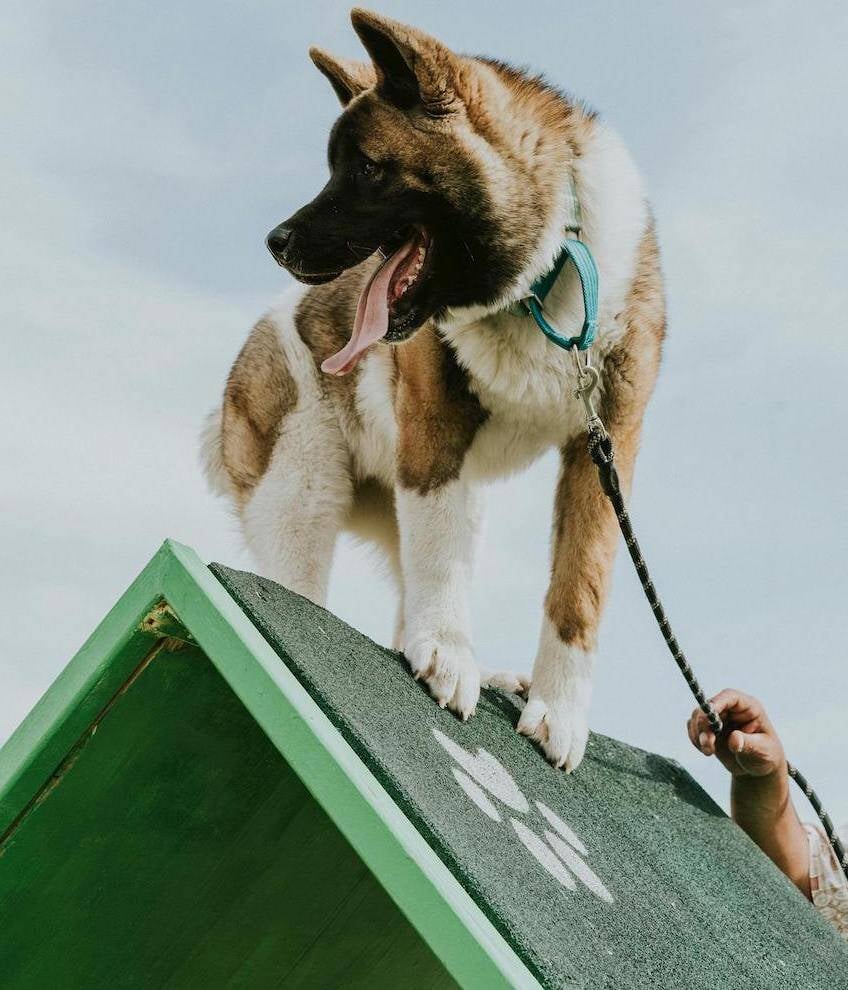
[402,375]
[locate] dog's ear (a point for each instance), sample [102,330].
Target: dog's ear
[347,77]
[412,67]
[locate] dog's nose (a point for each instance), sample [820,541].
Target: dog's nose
[278,241]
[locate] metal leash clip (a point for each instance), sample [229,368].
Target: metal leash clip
[587,382]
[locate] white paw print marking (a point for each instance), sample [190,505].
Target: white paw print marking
[488,773]
[477,795]
[558,850]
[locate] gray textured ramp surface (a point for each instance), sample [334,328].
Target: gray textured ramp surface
[624,874]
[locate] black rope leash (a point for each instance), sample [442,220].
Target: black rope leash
[602,452]
[824,817]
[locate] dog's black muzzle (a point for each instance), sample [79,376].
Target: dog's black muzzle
[286,247]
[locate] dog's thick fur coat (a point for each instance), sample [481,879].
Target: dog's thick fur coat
[398,450]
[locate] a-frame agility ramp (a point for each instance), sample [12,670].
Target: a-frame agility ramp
[229,787]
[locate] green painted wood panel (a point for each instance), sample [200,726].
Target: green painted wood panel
[180,850]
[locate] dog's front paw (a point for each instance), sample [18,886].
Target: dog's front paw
[559,725]
[505,680]
[446,665]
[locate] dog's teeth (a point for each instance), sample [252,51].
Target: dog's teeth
[412,274]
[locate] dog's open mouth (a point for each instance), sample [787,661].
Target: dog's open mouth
[379,307]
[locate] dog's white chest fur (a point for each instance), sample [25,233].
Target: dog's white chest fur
[524,382]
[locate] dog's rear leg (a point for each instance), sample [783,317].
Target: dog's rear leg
[293,518]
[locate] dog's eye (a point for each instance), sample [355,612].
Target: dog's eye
[370,170]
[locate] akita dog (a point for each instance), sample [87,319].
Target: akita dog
[382,397]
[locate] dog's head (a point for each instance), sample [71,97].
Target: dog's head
[424,168]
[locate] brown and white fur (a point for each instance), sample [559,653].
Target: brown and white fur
[399,451]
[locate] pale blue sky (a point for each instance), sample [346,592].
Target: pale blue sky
[149,149]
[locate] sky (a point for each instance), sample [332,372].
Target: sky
[149,148]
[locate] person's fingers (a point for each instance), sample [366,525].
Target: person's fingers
[700,722]
[735,703]
[723,704]
[736,742]
[735,709]
[698,728]
[706,743]
[755,751]
[750,744]
[724,699]
[692,728]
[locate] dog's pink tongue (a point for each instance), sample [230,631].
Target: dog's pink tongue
[372,316]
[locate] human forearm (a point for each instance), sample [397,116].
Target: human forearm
[759,798]
[763,808]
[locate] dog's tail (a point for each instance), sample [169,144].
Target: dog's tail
[212,453]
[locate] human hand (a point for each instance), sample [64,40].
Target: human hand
[749,746]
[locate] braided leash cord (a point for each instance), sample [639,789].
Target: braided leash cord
[602,453]
[824,817]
